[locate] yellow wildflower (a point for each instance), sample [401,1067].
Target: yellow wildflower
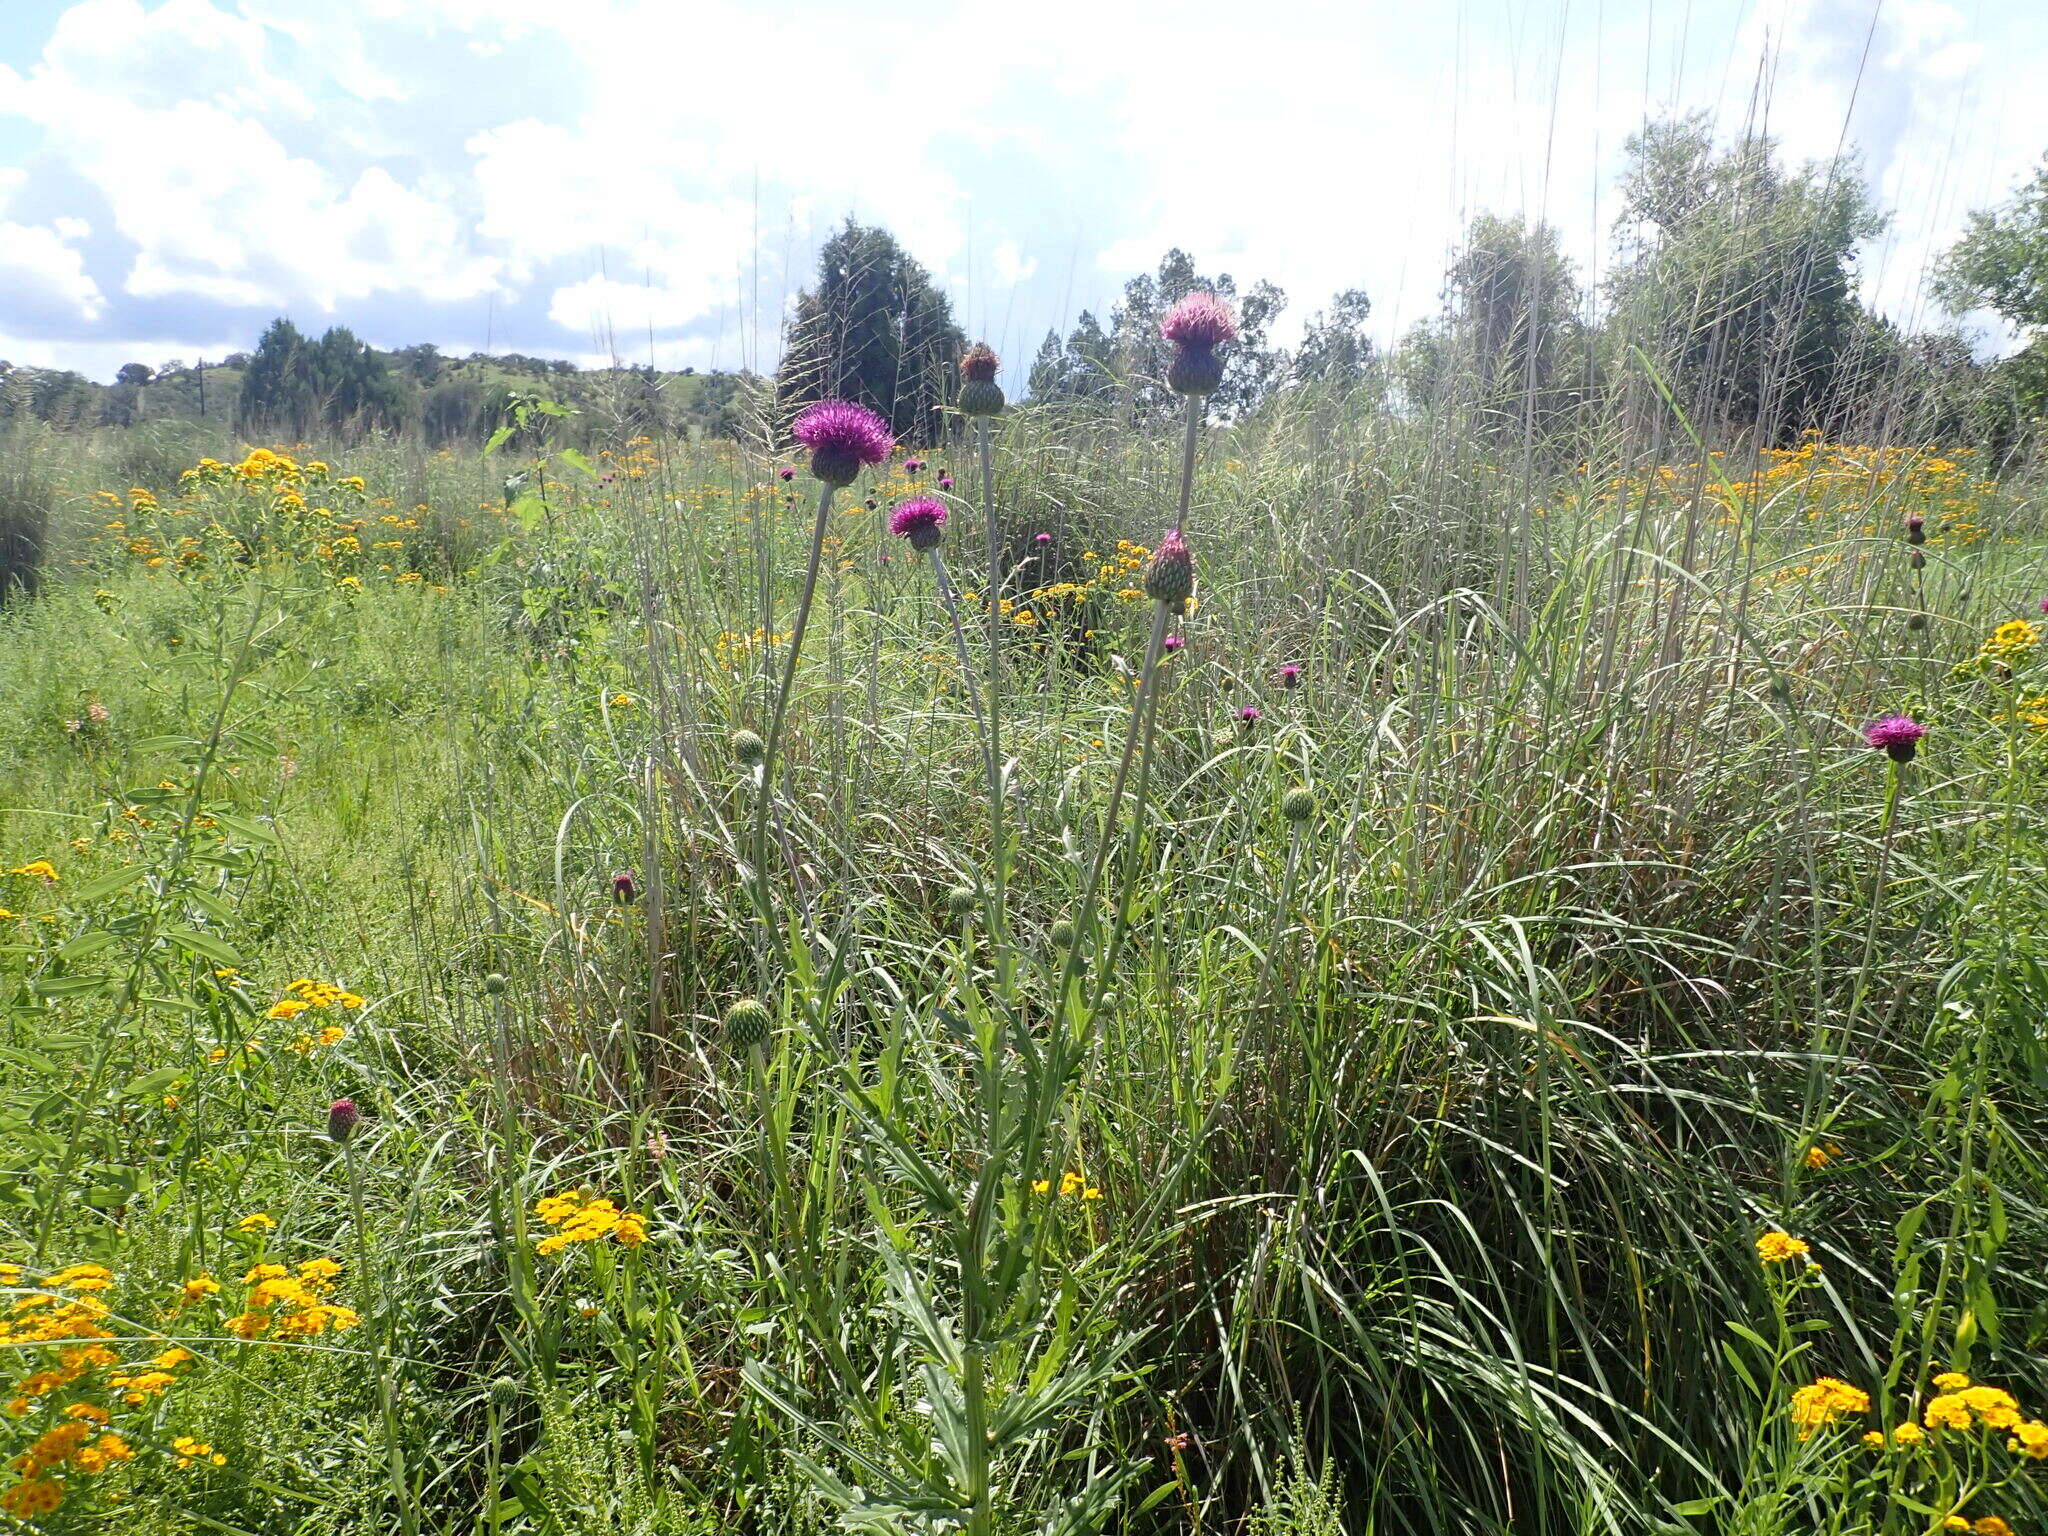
[1780,1248]
[1828,1399]
[256,1221]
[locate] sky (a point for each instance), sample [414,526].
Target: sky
[649,180]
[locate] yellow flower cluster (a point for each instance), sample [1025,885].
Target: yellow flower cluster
[37,869]
[290,1305]
[1071,1185]
[1826,1401]
[577,1218]
[735,648]
[67,1326]
[1960,1405]
[2005,650]
[303,996]
[1780,1248]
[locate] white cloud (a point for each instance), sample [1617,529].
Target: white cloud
[41,272]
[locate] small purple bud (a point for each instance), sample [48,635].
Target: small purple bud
[1174,643]
[945,482]
[342,1119]
[1248,716]
[912,466]
[623,889]
[786,473]
[1290,676]
[1046,538]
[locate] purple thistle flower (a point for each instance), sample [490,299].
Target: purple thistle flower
[1046,538]
[1248,716]
[623,890]
[1916,529]
[945,482]
[786,473]
[1199,320]
[842,437]
[919,520]
[1174,643]
[1290,676]
[912,466]
[1897,735]
[2044,605]
[342,1119]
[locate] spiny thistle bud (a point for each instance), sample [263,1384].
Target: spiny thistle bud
[1298,804]
[980,394]
[1916,621]
[1897,735]
[1916,560]
[842,437]
[1061,934]
[623,889]
[921,520]
[1197,326]
[494,985]
[746,1023]
[504,1393]
[1170,573]
[748,748]
[1916,530]
[342,1119]
[961,900]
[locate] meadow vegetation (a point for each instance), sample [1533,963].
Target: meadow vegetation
[1376,957]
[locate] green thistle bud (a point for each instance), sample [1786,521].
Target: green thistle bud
[961,900]
[747,748]
[504,1393]
[746,1023]
[1061,934]
[980,394]
[494,985]
[1170,573]
[1298,804]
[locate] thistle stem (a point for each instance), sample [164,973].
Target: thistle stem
[998,833]
[781,710]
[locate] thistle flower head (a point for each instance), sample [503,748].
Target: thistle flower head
[748,748]
[980,394]
[979,363]
[1290,676]
[961,900]
[342,1119]
[2044,605]
[1199,320]
[623,888]
[1298,804]
[919,520]
[1170,573]
[786,473]
[912,466]
[945,482]
[746,1023]
[1898,736]
[1174,643]
[842,437]
[1046,538]
[1249,715]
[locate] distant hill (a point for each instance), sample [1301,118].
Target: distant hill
[440,397]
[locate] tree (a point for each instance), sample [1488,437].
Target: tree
[1080,369]
[134,373]
[1335,349]
[2001,263]
[1737,278]
[1141,354]
[874,330]
[337,382]
[276,391]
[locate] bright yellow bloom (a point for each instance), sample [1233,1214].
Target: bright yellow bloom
[1818,1406]
[1991,1525]
[1951,1381]
[198,1288]
[1780,1248]
[2029,1439]
[1908,1433]
[40,869]
[288,1008]
[1947,1411]
[256,1221]
[1993,1405]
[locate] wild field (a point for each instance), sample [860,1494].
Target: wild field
[1333,973]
